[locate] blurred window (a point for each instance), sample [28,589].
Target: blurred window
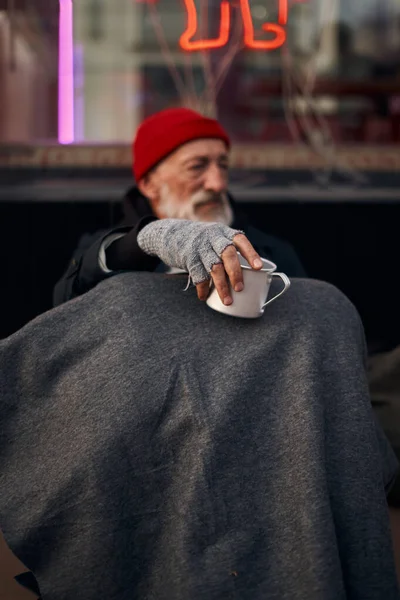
[91,71]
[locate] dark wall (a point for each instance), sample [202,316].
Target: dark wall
[354,246]
[36,242]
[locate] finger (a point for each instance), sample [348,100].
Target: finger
[233,268]
[203,289]
[246,249]
[221,283]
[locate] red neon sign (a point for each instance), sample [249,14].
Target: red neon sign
[189,45]
[224,29]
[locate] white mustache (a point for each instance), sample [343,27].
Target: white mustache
[207,201]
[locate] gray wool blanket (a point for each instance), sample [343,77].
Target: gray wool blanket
[152,449]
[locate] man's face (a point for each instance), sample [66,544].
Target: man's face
[191,183]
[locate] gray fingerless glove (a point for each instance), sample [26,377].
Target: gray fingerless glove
[189,245]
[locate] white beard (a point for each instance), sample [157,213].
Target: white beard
[171,209]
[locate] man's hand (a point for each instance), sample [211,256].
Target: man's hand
[204,250]
[230,271]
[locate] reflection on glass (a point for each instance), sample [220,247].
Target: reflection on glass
[273,71]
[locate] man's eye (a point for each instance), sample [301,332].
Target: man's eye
[197,167]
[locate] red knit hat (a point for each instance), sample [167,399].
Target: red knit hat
[165,131]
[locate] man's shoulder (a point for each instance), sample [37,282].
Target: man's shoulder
[256,236]
[260,238]
[279,251]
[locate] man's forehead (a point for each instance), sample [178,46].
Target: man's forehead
[202,147]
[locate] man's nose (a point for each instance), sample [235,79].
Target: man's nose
[215,179]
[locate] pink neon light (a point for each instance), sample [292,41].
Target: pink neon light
[66,74]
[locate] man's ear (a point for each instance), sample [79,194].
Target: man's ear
[148,187]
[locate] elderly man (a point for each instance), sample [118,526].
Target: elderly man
[153,448]
[181,164]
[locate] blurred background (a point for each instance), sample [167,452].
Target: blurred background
[309,91]
[313,110]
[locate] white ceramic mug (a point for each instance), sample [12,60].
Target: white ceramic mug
[252,300]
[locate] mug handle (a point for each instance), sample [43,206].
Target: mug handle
[286,282]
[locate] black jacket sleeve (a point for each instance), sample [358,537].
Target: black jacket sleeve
[84,271]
